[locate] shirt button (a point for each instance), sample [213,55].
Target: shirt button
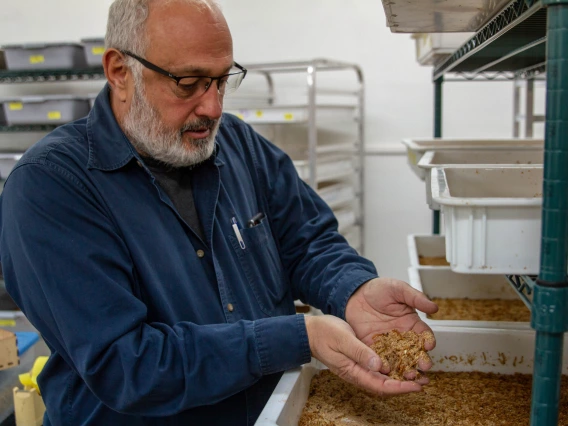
[230,307]
[200,253]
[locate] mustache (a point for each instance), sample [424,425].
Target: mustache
[203,123]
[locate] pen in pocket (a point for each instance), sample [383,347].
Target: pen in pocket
[255,220]
[238,233]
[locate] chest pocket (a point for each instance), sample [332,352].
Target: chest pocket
[263,269]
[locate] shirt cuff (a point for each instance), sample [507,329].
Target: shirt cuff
[282,343]
[348,284]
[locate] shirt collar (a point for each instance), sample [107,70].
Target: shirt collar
[109,148]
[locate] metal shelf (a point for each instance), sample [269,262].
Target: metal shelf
[316,109]
[514,41]
[285,114]
[521,40]
[40,76]
[524,286]
[435,16]
[28,128]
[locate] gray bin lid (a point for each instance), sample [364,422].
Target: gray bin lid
[39,99]
[35,46]
[93,40]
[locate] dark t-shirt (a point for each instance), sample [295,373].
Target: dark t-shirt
[176,182]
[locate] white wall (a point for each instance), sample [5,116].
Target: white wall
[399,92]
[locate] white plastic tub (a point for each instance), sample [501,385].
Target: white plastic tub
[444,283]
[416,148]
[432,47]
[457,349]
[492,218]
[426,246]
[517,157]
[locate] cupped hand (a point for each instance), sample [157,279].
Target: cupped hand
[334,343]
[385,304]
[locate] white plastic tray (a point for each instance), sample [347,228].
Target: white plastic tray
[326,170]
[337,194]
[425,245]
[492,218]
[416,148]
[515,157]
[353,237]
[443,282]
[457,349]
[346,218]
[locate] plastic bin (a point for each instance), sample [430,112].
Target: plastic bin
[516,157]
[444,283]
[432,246]
[492,218]
[57,109]
[457,349]
[416,148]
[433,47]
[44,56]
[94,49]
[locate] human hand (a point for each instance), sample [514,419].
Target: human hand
[333,342]
[385,304]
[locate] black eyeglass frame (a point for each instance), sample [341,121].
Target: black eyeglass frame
[177,79]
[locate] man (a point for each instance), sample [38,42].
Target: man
[158,245]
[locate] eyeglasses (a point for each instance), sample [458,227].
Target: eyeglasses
[191,87]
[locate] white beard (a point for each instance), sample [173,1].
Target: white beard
[152,138]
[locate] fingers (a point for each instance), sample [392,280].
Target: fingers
[362,354]
[333,342]
[416,299]
[417,376]
[377,383]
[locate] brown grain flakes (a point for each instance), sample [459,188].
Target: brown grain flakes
[401,352]
[481,310]
[433,261]
[460,399]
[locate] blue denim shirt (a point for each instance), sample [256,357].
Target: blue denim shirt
[147,323]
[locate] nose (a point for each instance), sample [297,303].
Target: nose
[210,104]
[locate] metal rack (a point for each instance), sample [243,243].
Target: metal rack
[28,128]
[262,109]
[318,104]
[44,76]
[39,76]
[519,39]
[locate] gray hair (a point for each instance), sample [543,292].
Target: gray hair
[127,24]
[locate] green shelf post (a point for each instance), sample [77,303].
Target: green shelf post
[550,303]
[437,134]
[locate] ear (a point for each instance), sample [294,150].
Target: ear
[117,73]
